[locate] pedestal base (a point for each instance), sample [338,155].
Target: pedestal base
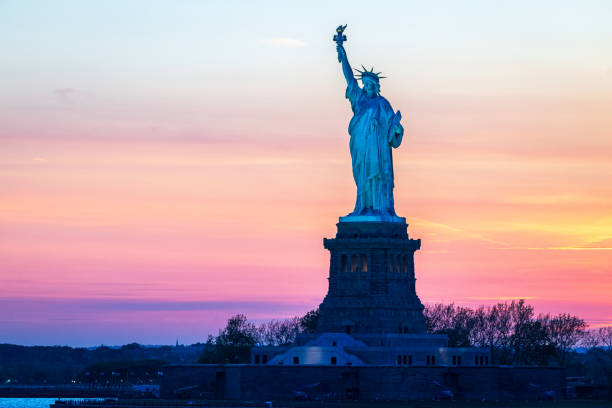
[371,279]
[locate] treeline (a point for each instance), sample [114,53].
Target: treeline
[516,335]
[233,343]
[67,365]
[511,331]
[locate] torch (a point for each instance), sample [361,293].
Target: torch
[339,37]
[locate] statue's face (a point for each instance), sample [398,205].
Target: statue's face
[371,87]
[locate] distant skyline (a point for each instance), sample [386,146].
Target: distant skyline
[164,165]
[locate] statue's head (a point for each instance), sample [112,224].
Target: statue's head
[370,86]
[370,81]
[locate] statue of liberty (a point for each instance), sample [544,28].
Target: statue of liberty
[374,130]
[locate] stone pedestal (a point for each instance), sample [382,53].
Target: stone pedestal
[371,280]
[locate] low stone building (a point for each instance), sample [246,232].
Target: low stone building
[380,350]
[287,382]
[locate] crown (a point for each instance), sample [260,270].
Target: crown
[369,74]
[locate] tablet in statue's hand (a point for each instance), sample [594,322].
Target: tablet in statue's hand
[395,138]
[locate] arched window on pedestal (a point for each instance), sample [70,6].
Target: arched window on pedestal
[364,263]
[354,263]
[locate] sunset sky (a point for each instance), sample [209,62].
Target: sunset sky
[166,164]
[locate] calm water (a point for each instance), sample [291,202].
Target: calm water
[28,402]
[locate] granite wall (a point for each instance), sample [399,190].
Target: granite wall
[260,382]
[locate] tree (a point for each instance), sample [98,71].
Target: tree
[464,323]
[308,322]
[564,332]
[510,331]
[454,321]
[600,338]
[530,344]
[604,337]
[527,334]
[481,334]
[233,344]
[279,332]
[439,317]
[209,354]
[590,340]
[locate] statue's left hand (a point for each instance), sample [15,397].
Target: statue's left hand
[396,135]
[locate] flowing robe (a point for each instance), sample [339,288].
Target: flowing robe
[372,131]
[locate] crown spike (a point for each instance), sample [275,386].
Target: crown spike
[368,73]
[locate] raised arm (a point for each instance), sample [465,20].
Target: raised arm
[346,67]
